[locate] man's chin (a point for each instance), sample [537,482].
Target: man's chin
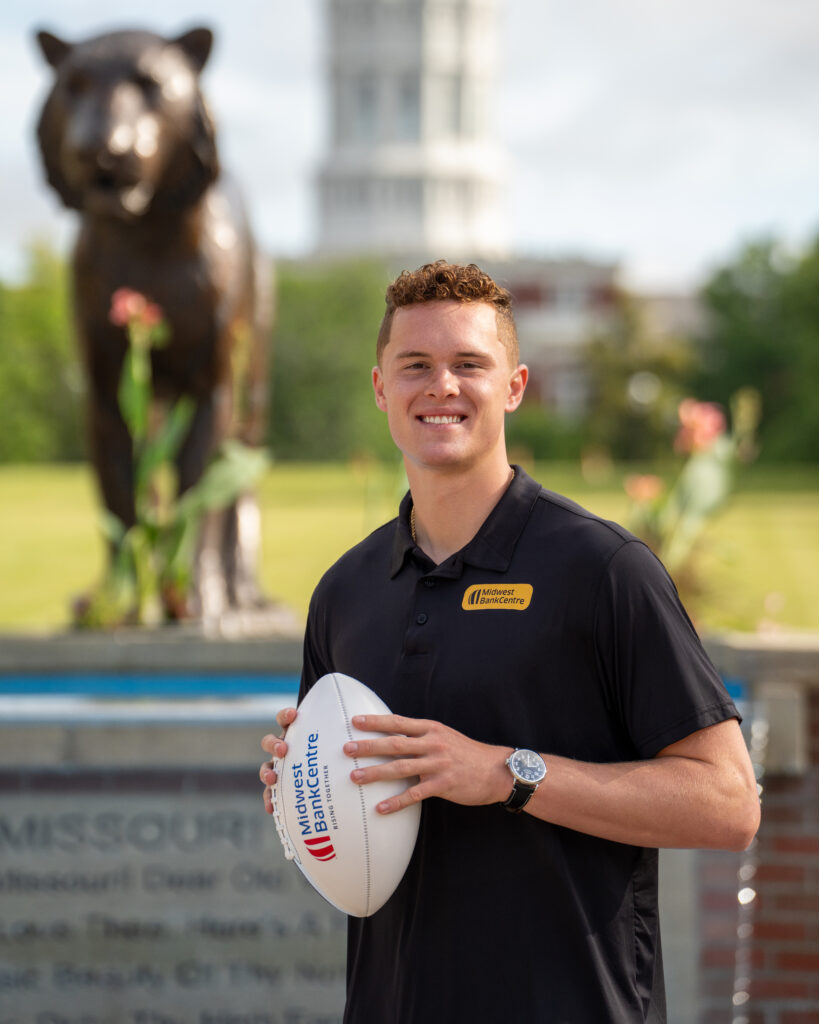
[439,460]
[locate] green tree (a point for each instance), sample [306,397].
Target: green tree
[637,381]
[40,377]
[535,432]
[763,331]
[322,405]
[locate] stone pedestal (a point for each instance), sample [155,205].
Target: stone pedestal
[141,881]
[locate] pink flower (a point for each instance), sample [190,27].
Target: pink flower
[701,423]
[130,307]
[645,487]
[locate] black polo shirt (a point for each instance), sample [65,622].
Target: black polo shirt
[554,630]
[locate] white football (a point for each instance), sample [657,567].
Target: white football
[351,854]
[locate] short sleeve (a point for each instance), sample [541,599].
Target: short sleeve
[659,680]
[315,656]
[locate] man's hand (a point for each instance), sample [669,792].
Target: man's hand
[275,746]
[446,763]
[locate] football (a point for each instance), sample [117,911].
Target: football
[351,854]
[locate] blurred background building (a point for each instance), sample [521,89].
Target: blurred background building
[414,166]
[415,172]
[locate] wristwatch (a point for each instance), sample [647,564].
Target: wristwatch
[528,771]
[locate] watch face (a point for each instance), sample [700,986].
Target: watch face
[528,766]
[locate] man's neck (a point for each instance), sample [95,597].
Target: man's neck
[449,509]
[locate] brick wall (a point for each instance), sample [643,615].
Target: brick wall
[759,911]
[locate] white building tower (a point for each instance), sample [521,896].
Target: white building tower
[413,167]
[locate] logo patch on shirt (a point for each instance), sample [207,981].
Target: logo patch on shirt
[509,596]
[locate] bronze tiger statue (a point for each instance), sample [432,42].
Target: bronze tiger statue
[127,140]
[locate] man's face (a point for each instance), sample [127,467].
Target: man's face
[445,383]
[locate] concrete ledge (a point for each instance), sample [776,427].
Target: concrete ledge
[753,657]
[174,649]
[66,732]
[779,671]
[131,744]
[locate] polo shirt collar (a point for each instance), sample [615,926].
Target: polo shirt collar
[494,543]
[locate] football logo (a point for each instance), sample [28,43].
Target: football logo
[320,847]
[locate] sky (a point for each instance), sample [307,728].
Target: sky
[658,134]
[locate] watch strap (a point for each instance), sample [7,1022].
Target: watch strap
[518,798]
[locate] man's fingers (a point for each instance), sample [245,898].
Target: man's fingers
[411,795]
[391,724]
[277,748]
[269,743]
[396,769]
[286,717]
[384,746]
[274,746]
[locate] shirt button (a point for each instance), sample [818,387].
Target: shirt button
[421,619]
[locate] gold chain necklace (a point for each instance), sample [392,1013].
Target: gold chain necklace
[412,510]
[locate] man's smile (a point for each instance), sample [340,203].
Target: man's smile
[442,419]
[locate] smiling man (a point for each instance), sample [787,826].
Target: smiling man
[550,696]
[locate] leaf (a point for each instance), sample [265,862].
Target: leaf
[113,528]
[148,608]
[701,488]
[231,473]
[164,447]
[177,548]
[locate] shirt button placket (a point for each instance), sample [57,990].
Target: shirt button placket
[419,636]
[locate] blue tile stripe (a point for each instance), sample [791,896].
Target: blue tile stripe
[146,685]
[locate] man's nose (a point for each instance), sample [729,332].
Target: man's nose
[443,383]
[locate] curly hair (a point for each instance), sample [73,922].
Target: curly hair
[450,281]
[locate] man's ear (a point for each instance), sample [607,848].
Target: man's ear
[378,388]
[517,386]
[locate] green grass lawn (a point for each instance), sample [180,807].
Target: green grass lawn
[759,559]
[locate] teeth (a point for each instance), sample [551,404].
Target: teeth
[442,419]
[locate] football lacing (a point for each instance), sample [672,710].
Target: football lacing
[281,828]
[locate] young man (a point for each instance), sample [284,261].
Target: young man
[549,693]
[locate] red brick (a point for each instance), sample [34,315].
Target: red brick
[719,899]
[779,873]
[719,929]
[724,957]
[718,983]
[804,902]
[796,844]
[768,930]
[800,1017]
[718,1014]
[777,814]
[752,1016]
[782,785]
[779,988]
[798,961]
[718,874]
